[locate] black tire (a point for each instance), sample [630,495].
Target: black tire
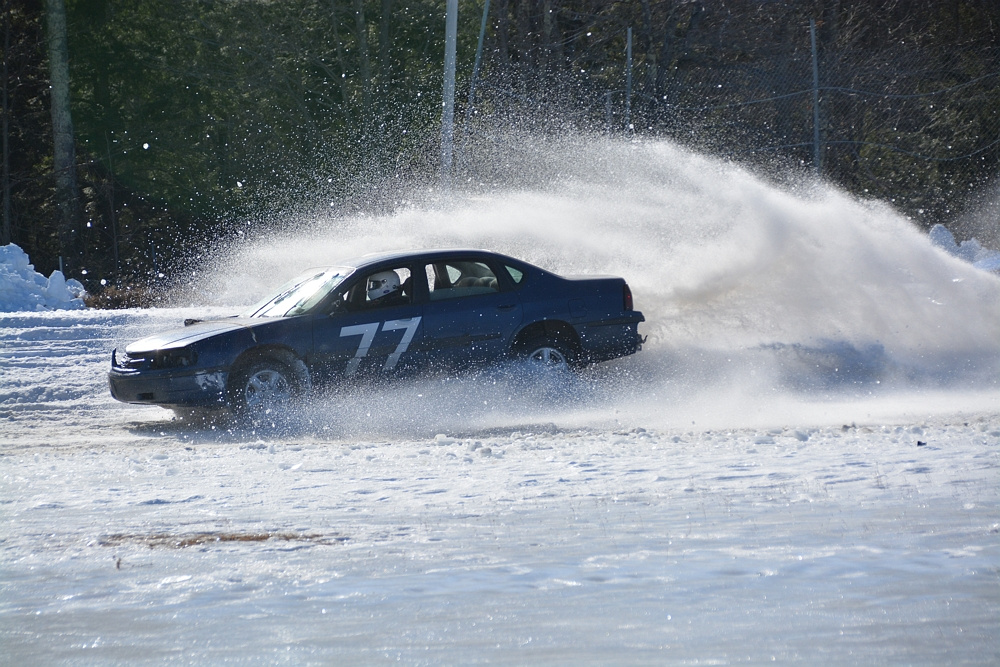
[553,355]
[262,389]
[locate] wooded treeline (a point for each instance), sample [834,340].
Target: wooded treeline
[193,116]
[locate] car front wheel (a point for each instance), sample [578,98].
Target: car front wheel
[262,389]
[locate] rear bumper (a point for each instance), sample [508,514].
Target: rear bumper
[611,339]
[168,388]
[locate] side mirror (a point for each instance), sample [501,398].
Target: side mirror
[337,306]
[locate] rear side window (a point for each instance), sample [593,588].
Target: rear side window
[515,274]
[458,279]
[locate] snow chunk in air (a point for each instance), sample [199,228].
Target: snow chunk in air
[22,288]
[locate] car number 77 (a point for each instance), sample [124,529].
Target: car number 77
[367,333]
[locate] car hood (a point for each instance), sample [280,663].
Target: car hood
[178,338]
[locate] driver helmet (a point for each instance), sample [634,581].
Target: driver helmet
[382,284]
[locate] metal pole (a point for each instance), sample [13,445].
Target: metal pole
[817,164]
[475,66]
[628,80]
[448,105]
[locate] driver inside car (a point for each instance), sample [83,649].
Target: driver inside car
[384,289]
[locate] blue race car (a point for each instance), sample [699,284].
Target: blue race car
[379,316]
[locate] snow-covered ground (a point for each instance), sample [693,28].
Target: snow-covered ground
[131,537]
[803,465]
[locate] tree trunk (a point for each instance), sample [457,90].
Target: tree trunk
[5,230]
[384,33]
[345,93]
[64,163]
[546,55]
[366,68]
[503,47]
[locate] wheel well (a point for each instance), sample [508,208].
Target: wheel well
[550,329]
[282,354]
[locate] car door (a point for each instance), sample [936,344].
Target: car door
[470,314]
[364,337]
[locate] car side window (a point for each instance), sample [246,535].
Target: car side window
[382,289]
[515,274]
[456,279]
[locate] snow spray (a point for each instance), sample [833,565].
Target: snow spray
[752,293]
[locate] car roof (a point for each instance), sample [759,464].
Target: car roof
[421,255]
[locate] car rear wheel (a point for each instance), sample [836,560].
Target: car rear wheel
[549,355]
[262,389]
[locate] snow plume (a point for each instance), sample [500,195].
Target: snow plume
[22,288]
[971,250]
[745,286]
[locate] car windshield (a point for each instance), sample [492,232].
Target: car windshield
[299,295]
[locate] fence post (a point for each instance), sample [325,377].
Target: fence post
[817,157]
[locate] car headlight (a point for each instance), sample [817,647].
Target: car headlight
[174,358]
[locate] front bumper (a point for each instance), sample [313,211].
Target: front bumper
[169,388]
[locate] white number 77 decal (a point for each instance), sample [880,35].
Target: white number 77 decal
[367,333]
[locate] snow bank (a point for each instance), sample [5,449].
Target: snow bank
[971,251]
[23,288]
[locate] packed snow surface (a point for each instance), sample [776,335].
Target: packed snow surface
[802,465]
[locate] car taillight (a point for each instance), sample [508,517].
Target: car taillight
[627,297]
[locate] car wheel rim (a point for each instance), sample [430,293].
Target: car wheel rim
[548,358]
[267,389]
